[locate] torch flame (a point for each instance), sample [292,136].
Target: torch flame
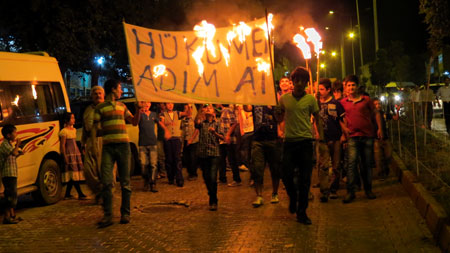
[243,30]
[159,70]
[226,54]
[33,88]
[304,47]
[16,101]
[262,65]
[264,26]
[207,32]
[314,38]
[197,55]
[230,36]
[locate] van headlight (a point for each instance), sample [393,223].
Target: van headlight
[383,98]
[397,98]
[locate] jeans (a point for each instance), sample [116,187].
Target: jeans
[446,107]
[161,157]
[383,156]
[228,151]
[297,169]
[329,152]
[243,149]
[190,158]
[209,167]
[263,151]
[172,151]
[112,153]
[148,156]
[360,147]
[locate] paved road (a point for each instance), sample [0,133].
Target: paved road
[390,223]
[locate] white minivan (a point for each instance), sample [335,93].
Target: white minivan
[33,98]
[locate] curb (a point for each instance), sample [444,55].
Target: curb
[433,213]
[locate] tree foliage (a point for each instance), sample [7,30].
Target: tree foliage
[391,64]
[437,17]
[75,32]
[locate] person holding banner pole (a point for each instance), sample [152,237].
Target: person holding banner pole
[208,152]
[172,143]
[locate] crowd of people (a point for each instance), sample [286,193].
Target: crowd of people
[336,128]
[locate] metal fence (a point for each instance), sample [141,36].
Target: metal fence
[420,138]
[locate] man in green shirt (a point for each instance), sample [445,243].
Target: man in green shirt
[297,108]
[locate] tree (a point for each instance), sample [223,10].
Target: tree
[381,69]
[75,32]
[437,17]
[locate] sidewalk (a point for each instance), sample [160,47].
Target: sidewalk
[389,223]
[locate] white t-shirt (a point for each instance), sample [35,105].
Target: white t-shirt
[444,93]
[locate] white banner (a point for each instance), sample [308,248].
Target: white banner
[232,66]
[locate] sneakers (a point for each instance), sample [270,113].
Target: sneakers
[274,199]
[124,219]
[258,202]
[370,195]
[213,207]
[234,184]
[192,178]
[243,168]
[10,221]
[349,198]
[324,198]
[333,195]
[105,222]
[153,188]
[303,218]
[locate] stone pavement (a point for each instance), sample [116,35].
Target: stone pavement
[389,223]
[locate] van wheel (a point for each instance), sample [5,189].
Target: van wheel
[48,183]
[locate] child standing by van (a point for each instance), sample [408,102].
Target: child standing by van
[73,173]
[8,170]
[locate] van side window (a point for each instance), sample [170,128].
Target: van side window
[31,100]
[60,104]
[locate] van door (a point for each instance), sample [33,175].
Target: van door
[31,108]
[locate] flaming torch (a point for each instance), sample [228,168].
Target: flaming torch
[16,101]
[306,51]
[159,70]
[207,32]
[314,38]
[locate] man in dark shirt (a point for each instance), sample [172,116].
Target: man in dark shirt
[331,114]
[265,148]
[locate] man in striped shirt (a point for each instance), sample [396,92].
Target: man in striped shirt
[111,115]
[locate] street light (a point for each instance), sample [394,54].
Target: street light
[351,35]
[333,53]
[331,12]
[100,60]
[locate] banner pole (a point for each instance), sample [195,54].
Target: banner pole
[271,57]
[129,59]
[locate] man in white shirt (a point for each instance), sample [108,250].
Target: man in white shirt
[427,98]
[444,94]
